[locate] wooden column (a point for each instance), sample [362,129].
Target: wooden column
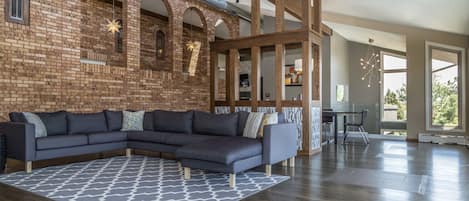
[255,55]
[307,80]
[231,81]
[213,79]
[317,73]
[279,56]
[317,15]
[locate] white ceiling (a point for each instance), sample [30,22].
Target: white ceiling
[361,35]
[443,15]
[267,8]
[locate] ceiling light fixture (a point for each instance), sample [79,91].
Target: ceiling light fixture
[370,65]
[113,25]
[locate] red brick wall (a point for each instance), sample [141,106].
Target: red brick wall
[40,66]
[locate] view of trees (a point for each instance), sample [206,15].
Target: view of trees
[399,99]
[445,102]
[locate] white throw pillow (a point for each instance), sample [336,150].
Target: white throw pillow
[252,124]
[39,127]
[132,121]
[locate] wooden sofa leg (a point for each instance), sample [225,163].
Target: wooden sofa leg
[232,180]
[292,161]
[128,152]
[187,173]
[28,166]
[268,170]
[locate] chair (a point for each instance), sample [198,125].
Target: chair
[358,125]
[327,121]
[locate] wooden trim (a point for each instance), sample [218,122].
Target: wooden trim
[317,15]
[25,20]
[213,79]
[286,37]
[255,17]
[255,77]
[316,89]
[326,30]
[279,15]
[306,14]
[414,140]
[309,152]
[306,102]
[245,103]
[279,76]
[232,67]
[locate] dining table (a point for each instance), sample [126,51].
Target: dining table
[334,115]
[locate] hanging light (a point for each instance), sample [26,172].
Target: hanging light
[191,45]
[113,25]
[370,65]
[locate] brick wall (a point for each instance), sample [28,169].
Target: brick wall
[40,67]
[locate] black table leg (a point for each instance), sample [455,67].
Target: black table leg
[335,128]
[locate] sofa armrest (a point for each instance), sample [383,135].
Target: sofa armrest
[20,140]
[279,142]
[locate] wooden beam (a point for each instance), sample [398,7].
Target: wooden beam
[231,78]
[317,6]
[279,15]
[255,77]
[306,102]
[255,17]
[286,37]
[213,79]
[306,13]
[279,76]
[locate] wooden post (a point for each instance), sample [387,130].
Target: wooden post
[268,170]
[279,56]
[306,102]
[306,12]
[231,80]
[128,152]
[213,79]
[317,15]
[255,77]
[255,17]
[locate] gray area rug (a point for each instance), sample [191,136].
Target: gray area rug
[136,178]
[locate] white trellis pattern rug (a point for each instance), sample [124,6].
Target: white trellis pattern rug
[136,178]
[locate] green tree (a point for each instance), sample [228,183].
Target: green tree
[445,102]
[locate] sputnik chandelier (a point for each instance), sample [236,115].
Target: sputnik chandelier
[370,65]
[113,25]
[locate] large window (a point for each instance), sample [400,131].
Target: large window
[394,87]
[17,11]
[445,81]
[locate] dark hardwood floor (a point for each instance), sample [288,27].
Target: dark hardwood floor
[382,171]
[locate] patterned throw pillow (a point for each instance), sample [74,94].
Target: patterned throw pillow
[39,127]
[132,121]
[268,119]
[252,124]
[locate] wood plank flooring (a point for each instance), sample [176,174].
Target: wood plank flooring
[382,171]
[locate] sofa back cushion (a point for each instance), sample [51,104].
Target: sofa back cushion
[55,122]
[86,123]
[242,119]
[215,124]
[148,124]
[176,122]
[113,119]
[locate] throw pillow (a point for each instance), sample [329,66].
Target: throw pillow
[132,121]
[39,127]
[268,119]
[252,124]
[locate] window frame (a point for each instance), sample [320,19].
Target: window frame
[429,84]
[119,39]
[25,11]
[383,71]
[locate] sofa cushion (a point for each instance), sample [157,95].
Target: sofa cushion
[182,139]
[242,119]
[148,121]
[215,124]
[224,151]
[61,141]
[55,122]
[101,138]
[86,123]
[148,136]
[176,122]
[113,120]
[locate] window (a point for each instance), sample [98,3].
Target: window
[445,87]
[119,37]
[17,11]
[394,87]
[160,44]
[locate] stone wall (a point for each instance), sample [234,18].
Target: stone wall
[40,67]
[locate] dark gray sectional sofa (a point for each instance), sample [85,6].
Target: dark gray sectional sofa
[198,139]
